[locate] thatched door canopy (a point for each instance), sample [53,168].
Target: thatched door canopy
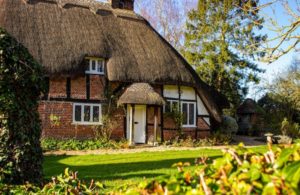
[141,93]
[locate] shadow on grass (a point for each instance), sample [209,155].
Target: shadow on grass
[115,171]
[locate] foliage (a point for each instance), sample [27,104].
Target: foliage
[70,184]
[216,138]
[73,144]
[67,183]
[167,17]
[238,171]
[19,189]
[284,37]
[177,116]
[286,90]
[282,99]
[229,125]
[21,84]
[217,39]
[104,131]
[290,129]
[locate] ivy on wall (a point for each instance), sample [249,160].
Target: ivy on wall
[21,83]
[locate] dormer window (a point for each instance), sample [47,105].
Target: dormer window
[95,66]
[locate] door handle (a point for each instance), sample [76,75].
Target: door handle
[136,123]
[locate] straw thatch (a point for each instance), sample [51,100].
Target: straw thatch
[61,33]
[141,93]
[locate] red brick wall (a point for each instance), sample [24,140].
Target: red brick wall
[202,124]
[118,131]
[62,127]
[97,85]
[57,88]
[203,130]
[78,87]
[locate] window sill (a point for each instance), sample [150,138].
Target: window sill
[95,73]
[189,126]
[86,124]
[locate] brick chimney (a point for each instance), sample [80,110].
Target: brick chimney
[122,4]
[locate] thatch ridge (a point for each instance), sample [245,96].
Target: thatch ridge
[61,33]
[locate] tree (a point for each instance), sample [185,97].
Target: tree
[282,99]
[167,17]
[285,36]
[217,39]
[286,89]
[21,83]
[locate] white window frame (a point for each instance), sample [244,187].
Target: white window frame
[82,122]
[188,111]
[98,62]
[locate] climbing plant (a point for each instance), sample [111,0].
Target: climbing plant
[21,84]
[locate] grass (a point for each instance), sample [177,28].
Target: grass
[115,170]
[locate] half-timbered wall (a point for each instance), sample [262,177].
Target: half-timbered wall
[183,94]
[57,109]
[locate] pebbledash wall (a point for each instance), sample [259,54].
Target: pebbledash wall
[56,109]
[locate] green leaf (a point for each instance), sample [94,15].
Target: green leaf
[269,189]
[292,173]
[284,156]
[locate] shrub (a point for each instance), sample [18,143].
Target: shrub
[229,125]
[21,84]
[239,171]
[214,139]
[290,129]
[70,184]
[73,144]
[67,183]
[104,131]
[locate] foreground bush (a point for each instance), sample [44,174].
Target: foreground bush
[239,171]
[67,183]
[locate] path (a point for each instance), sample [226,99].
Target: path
[248,141]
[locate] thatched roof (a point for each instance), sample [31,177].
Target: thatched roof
[249,106]
[61,33]
[141,93]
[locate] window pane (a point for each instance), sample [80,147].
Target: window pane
[168,106]
[93,65]
[87,113]
[175,105]
[78,113]
[96,114]
[184,113]
[100,66]
[191,114]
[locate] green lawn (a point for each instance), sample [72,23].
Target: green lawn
[119,169]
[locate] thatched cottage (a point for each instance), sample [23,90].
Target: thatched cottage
[97,55]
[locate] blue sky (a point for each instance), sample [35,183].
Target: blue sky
[278,12]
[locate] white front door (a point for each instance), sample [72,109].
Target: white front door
[139,135]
